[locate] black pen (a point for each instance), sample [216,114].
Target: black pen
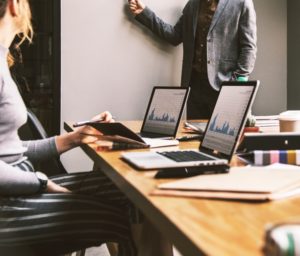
[82,123]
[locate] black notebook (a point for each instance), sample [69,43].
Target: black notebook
[124,138]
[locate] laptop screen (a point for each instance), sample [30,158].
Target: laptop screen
[164,110]
[229,117]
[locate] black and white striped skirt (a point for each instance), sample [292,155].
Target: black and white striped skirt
[95,212]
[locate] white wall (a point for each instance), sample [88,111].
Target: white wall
[111,62]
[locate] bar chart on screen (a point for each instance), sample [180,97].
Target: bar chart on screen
[164,109]
[223,129]
[227,118]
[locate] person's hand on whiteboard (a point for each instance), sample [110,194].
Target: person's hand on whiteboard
[136,6]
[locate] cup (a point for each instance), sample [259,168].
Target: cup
[289,121]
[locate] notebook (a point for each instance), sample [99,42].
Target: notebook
[164,112]
[242,183]
[270,141]
[124,138]
[220,138]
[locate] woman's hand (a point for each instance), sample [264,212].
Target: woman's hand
[54,188]
[136,6]
[85,134]
[105,116]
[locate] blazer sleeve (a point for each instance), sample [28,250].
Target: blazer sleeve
[247,40]
[172,34]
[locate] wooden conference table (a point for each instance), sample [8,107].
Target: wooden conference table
[195,226]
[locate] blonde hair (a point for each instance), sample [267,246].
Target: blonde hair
[25,26]
[26,30]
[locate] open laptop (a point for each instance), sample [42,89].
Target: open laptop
[221,135]
[161,120]
[164,112]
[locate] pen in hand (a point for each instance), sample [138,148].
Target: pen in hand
[82,123]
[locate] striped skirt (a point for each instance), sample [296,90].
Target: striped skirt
[95,212]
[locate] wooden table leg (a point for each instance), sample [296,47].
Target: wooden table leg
[152,241]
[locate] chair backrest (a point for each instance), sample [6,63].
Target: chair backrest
[34,130]
[35,125]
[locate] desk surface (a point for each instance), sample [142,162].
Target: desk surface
[195,226]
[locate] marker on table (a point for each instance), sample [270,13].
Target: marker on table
[82,123]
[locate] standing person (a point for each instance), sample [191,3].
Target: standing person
[219,44]
[62,214]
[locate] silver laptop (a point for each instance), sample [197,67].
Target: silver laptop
[164,112]
[220,138]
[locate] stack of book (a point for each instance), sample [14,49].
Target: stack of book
[267,157]
[270,147]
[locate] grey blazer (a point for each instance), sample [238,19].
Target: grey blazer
[231,40]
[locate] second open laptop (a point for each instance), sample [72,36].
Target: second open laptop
[220,137]
[161,120]
[164,112]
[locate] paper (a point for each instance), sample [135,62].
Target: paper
[271,117]
[198,127]
[267,121]
[281,166]
[156,143]
[250,183]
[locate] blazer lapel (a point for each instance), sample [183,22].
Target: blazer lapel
[220,8]
[195,15]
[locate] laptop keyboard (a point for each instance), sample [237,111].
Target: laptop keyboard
[185,156]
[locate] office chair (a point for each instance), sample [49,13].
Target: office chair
[34,130]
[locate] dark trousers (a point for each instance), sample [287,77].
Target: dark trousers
[202,97]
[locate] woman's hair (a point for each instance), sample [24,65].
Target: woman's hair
[3,4]
[25,26]
[26,31]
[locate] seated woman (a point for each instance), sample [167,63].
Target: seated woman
[41,216]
